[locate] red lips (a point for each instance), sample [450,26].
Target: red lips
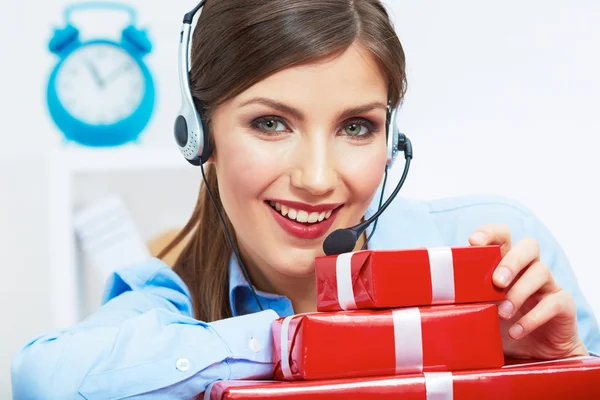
[301,230]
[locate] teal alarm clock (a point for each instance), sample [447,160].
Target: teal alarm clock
[101,93]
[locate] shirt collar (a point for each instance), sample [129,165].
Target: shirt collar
[241,298]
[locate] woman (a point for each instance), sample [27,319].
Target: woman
[294,93]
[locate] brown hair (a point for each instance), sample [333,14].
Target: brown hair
[237,44]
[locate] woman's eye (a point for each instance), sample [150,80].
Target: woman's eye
[270,125]
[356,129]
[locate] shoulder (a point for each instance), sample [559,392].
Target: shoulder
[151,278]
[451,221]
[481,203]
[457,217]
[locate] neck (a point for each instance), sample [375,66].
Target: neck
[302,293]
[300,290]
[361,240]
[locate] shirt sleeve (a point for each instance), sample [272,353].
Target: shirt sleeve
[143,341]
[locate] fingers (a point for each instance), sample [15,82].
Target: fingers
[524,253]
[537,278]
[487,235]
[553,305]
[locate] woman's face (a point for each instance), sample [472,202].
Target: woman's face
[299,155]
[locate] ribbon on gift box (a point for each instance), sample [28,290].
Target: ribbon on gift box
[438,385]
[408,342]
[441,267]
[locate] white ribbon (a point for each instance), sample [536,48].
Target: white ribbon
[408,341]
[285,352]
[441,267]
[438,385]
[343,273]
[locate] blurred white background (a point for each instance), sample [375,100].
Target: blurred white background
[503,98]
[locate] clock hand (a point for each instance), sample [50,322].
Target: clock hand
[117,72]
[95,73]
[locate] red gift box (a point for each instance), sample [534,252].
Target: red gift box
[572,379]
[407,278]
[364,343]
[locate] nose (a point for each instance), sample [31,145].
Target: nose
[314,166]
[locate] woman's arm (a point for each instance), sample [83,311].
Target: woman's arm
[143,340]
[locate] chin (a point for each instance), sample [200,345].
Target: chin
[297,262]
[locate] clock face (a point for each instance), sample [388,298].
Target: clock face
[100,84]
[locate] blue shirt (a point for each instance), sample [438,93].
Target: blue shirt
[144,341]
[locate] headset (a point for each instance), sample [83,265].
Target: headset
[192,138]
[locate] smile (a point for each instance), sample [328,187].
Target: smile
[301,215]
[303,221]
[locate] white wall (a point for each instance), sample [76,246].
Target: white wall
[502,99]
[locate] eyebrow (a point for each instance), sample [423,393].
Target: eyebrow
[284,108]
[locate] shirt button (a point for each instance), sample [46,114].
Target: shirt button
[254,345]
[183,364]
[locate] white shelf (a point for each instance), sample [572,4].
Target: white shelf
[129,158]
[63,165]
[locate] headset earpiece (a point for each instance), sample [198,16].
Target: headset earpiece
[191,134]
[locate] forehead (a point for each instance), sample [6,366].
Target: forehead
[349,78]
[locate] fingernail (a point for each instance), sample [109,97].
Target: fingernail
[479,237]
[502,275]
[516,331]
[506,308]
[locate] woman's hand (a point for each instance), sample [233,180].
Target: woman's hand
[538,318]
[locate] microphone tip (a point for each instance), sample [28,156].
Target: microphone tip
[340,241]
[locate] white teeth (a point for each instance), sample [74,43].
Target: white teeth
[301,215]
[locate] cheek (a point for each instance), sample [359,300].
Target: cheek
[363,172]
[245,169]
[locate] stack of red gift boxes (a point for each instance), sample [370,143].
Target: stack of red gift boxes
[411,324]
